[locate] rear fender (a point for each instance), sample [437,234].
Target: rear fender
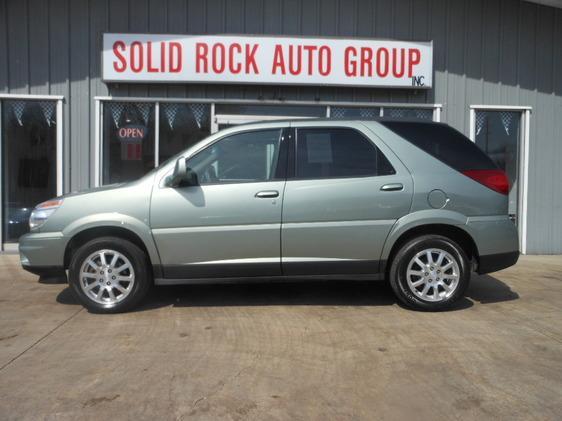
[420,218]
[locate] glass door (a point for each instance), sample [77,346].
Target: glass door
[499,133]
[503,132]
[29,161]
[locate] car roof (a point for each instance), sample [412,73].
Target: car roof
[335,120]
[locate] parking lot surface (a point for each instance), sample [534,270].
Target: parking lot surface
[294,351]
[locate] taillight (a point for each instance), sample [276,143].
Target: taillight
[493,179]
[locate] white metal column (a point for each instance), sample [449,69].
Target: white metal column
[1,180]
[156,134]
[97,142]
[525,178]
[60,149]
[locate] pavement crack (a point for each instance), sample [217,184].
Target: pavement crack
[96,401]
[221,385]
[38,341]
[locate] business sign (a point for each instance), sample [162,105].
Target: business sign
[266,60]
[131,137]
[131,132]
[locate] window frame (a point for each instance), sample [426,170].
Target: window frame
[293,155]
[282,156]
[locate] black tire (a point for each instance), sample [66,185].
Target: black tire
[139,263]
[399,266]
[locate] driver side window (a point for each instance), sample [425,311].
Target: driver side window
[241,158]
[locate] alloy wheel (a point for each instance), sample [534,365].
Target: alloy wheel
[433,275]
[107,277]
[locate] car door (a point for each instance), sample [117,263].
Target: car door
[343,194]
[228,225]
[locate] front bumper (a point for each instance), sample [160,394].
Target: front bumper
[43,253]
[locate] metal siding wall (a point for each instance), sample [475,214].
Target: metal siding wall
[3,47]
[556,140]
[18,47]
[59,67]
[485,52]
[80,95]
[546,153]
[38,47]
[473,56]
[438,33]
[177,24]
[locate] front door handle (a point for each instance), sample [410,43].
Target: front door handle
[267,194]
[392,187]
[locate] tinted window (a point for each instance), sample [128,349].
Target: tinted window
[444,143]
[323,153]
[244,157]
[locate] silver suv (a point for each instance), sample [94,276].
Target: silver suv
[415,203]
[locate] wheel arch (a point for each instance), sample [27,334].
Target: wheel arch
[87,234]
[451,231]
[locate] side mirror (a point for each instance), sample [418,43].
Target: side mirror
[182,175]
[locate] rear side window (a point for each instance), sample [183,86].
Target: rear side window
[444,143]
[337,153]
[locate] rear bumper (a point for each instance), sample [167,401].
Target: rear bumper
[43,253]
[497,242]
[494,262]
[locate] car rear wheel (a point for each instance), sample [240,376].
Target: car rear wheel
[430,273]
[109,275]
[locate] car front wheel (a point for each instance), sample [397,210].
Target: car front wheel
[109,275]
[430,272]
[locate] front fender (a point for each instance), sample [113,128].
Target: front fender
[118,220]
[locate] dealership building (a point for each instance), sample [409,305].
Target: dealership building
[97,92]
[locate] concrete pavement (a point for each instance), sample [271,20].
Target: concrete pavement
[298,351]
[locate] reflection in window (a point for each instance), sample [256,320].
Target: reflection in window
[498,133]
[29,161]
[333,153]
[181,126]
[354,112]
[409,113]
[128,140]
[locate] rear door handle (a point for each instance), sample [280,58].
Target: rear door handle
[267,194]
[392,187]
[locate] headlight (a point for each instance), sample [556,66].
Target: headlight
[42,212]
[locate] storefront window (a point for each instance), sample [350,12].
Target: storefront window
[181,126]
[498,134]
[29,161]
[128,140]
[355,112]
[272,110]
[409,113]
[129,135]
